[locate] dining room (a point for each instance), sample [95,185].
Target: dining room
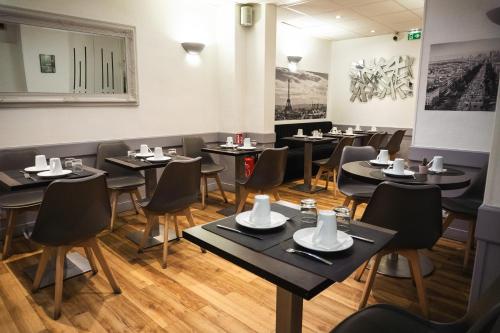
[267,166]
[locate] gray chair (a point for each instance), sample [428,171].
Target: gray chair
[267,175]
[356,191]
[414,211]
[177,189]
[483,316]
[375,140]
[465,207]
[73,212]
[394,143]
[191,147]
[331,164]
[14,203]
[119,180]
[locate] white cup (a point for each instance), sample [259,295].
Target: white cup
[373,129]
[261,211]
[325,233]
[40,162]
[300,131]
[334,130]
[349,131]
[383,156]
[55,165]
[247,142]
[229,141]
[158,152]
[144,149]
[358,128]
[399,166]
[437,163]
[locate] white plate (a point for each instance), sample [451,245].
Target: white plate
[377,162]
[277,220]
[228,146]
[299,136]
[435,171]
[161,159]
[50,174]
[390,172]
[247,148]
[144,155]
[303,237]
[315,137]
[33,169]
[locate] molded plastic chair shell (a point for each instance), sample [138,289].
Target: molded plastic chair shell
[269,170]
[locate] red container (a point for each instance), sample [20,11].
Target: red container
[249,166]
[239,138]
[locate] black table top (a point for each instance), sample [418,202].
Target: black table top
[309,139]
[141,164]
[362,170]
[344,135]
[217,149]
[290,276]
[13,180]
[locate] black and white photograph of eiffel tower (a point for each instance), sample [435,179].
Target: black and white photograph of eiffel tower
[300,95]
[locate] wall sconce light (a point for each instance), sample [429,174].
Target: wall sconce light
[193,48]
[293,62]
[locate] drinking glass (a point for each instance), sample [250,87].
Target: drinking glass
[343,218]
[172,151]
[68,162]
[77,165]
[308,211]
[254,143]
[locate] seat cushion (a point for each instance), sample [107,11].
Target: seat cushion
[125,182]
[21,199]
[209,168]
[321,162]
[383,318]
[357,190]
[462,205]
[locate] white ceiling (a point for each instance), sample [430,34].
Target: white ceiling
[345,19]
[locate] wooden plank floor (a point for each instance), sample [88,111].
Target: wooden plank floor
[201,292]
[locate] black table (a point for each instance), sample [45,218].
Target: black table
[359,137]
[393,264]
[294,283]
[149,169]
[239,169]
[75,264]
[308,148]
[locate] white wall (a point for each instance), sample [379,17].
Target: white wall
[453,21]
[376,112]
[175,97]
[12,77]
[315,53]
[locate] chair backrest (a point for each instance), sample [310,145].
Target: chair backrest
[73,210]
[191,147]
[353,154]
[414,211]
[112,149]
[394,143]
[485,312]
[17,158]
[269,170]
[334,159]
[477,186]
[376,140]
[178,187]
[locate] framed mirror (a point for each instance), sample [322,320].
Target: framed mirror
[50,59]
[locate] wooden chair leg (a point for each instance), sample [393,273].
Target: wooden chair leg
[90,258]
[414,261]
[104,265]
[190,219]
[42,265]
[327,179]
[448,220]
[147,231]
[369,281]
[176,226]
[354,207]
[114,200]
[347,201]
[276,195]
[360,271]
[165,240]
[469,243]
[138,198]
[205,180]
[9,232]
[204,190]
[61,256]
[243,200]
[318,176]
[219,184]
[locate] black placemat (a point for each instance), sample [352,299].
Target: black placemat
[38,181]
[344,262]
[373,166]
[269,237]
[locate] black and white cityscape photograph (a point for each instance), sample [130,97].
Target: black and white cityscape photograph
[300,95]
[463,76]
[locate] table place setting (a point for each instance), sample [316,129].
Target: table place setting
[300,134]
[382,159]
[248,144]
[397,169]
